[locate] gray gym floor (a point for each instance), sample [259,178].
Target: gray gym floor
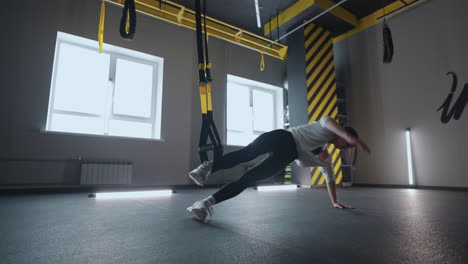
[387,226]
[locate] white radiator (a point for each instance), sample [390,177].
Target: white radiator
[106,172]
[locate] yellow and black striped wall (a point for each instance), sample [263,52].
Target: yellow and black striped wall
[322,99]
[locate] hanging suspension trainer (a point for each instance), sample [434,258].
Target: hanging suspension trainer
[387,39]
[262,61]
[128,22]
[218,150]
[101,26]
[208,129]
[388,44]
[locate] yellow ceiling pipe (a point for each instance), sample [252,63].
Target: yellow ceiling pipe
[177,14]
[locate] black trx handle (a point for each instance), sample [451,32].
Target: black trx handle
[388,44]
[208,129]
[128,22]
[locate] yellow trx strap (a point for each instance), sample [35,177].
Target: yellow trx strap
[101,26]
[127,23]
[210,105]
[208,86]
[262,62]
[203,97]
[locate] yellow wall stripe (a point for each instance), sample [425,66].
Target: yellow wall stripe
[339,178]
[310,81]
[318,98]
[320,67]
[335,154]
[320,56]
[316,45]
[313,37]
[314,89]
[308,29]
[321,89]
[322,180]
[315,114]
[327,111]
[337,165]
[324,100]
[337,161]
[332,151]
[315,176]
[335,113]
[323,109]
[330,67]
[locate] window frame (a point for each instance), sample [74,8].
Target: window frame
[114,53]
[278,103]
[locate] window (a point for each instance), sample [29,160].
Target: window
[252,109]
[115,93]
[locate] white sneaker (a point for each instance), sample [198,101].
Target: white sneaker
[200,174]
[201,209]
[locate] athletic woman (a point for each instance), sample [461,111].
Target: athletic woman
[307,144]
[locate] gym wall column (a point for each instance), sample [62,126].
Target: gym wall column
[312,84]
[322,98]
[297,94]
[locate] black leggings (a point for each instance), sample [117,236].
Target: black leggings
[281,148]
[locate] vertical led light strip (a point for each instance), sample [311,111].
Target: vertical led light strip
[257,11]
[410,158]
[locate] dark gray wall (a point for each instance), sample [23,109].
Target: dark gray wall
[6,67]
[430,40]
[297,94]
[155,162]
